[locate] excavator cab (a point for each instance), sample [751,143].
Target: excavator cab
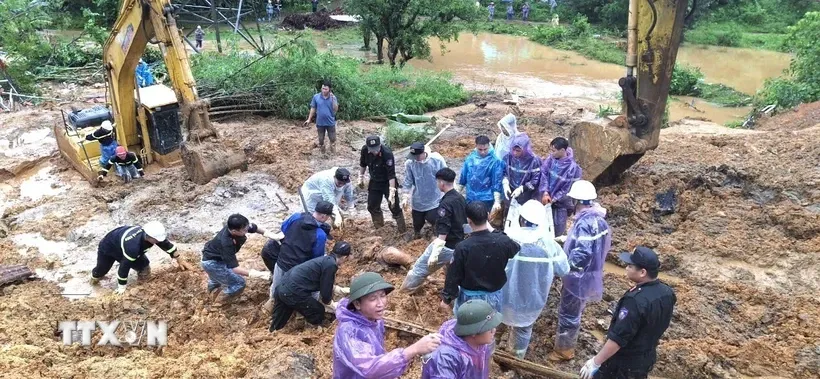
[162,124]
[604,152]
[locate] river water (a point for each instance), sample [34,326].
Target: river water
[498,62]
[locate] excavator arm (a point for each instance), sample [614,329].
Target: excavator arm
[654,34]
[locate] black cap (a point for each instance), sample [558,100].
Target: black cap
[341,249]
[373,143]
[343,175]
[324,207]
[416,148]
[642,257]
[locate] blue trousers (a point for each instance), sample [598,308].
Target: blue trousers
[220,275]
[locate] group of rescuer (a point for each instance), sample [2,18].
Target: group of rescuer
[494,279]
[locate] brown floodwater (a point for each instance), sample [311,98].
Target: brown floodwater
[502,62]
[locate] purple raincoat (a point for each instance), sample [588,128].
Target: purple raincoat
[525,170]
[557,176]
[358,348]
[587,245]
[455,359]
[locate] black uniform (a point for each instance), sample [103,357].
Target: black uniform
[382,168]
[642,315]
[479,263]
[126,245]
[295,293]
[224,246]
[130,159]
[452,216]
[270,254]
[105,137]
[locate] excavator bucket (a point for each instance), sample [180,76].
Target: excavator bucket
[604,152]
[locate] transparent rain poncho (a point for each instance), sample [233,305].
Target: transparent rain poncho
[502,142]
[421,176]
[530,275]
[322,186]
[523,171]
[358,348]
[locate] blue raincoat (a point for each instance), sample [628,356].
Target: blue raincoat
[482,176]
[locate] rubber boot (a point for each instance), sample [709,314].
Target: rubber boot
[94,281]
[333,147]
[561,355]
[322,148]
[145,274]
[267,308]
[378,220]
[401,227]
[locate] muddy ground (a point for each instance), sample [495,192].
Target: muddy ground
[735,216]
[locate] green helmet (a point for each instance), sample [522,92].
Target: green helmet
[476,317]
[366,284]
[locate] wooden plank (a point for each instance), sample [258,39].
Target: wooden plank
[14,273]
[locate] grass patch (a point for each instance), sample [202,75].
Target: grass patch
[724,95]
[284,83]
[734,35]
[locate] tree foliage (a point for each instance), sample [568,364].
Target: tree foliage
[406,25]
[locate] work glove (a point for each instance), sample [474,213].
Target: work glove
[589,369]
[518,191]
[506,184]
[392,193]
[438,245]
[141,173]
[275,236]
[100,177]
[337,218]
[183,266]
[497,203]
[561,239]
[256,274]
[341,291]
[405,201]
[331,308]
[120,289]
[361,180]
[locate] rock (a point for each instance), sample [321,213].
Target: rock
[665,203]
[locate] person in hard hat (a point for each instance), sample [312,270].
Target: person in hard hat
[638,323]
[522,173]
[490,11]
[383,184]
[420,185]
[332,186]
[199,35]
[220,263]
[482,174]
[105,136]
[128,245]
[507,130]
[530,275]
[466,344]
[586,246]
[477,271]
[358,345]
[558,172]
[127,164]
[452,218]
[302,238]
[295,293]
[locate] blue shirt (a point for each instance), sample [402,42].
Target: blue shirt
[318,247]
[325,115]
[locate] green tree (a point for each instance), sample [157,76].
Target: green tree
[406,25]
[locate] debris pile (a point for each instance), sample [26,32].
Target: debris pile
[319,21]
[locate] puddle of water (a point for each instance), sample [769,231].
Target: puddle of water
[618,270]
[742,69]
[41,185]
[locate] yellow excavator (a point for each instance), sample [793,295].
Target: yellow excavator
[654,34]
[165,125]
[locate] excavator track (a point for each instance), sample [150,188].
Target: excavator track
[500,357]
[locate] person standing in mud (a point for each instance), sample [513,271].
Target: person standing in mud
[220,263]
[128,246]
[482,175]
[420,185]
[452,218]
[333,186]
[383,183]
[510,12]
[324,105]
[358,345]
[477,271]
[638,323]
[586,246]
[558,172]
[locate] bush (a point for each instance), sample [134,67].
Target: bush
[785,93]
[685,81]
[284,84]
[549,35]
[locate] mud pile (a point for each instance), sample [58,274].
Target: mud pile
[319,21]
[736,219]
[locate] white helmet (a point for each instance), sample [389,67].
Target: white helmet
[155,230]
[533,211]
[582,190]
[107,125]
